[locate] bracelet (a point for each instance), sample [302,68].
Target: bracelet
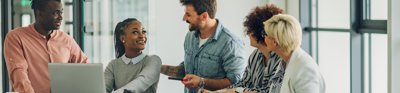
[201,82]
[201,85]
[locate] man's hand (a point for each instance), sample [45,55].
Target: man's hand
[191,81]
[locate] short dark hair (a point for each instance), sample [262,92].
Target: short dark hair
[40,4]
[119,30]
[254,21]
[201,6]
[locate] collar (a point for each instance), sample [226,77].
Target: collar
[134,60]
[36,33]
[295,54]
[216,33]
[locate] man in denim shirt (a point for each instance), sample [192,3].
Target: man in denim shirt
[214,57]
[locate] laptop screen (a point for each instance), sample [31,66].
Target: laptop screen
[76,78]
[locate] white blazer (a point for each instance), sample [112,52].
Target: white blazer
[302,74]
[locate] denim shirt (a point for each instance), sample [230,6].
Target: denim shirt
[222,56]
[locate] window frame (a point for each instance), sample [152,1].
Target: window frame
[361,23]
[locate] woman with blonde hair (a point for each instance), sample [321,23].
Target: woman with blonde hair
[283,36]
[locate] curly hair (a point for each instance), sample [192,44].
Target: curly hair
[254,21]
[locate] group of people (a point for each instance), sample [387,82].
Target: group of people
[214,60]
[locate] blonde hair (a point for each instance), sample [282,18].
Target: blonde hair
[286,31]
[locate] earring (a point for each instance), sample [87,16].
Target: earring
[123,41]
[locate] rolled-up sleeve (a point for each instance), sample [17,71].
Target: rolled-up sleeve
[16,64]
[234,60]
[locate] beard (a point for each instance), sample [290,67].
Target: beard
[50,25]
[193,27]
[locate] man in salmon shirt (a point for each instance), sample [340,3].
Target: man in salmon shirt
[28,50]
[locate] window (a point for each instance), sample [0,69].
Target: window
[68,25]
[26,19]
[21,11]
[333,13]
[379,9]
[375,63]
[331,42]
[367,63]
[334,60]
[375,42]
[379,63]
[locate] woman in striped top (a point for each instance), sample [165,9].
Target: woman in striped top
[264,72]
[262,76]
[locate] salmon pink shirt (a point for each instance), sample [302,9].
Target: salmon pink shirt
[27,54]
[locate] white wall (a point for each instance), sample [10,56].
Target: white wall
[291,7]
[170,31]
[169,37]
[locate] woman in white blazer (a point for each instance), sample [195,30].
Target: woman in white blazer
[302,74]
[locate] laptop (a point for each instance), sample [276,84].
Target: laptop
[76,78]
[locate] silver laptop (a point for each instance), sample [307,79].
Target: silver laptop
[76,78]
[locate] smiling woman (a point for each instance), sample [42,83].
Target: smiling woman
[133,70]
[100,18]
